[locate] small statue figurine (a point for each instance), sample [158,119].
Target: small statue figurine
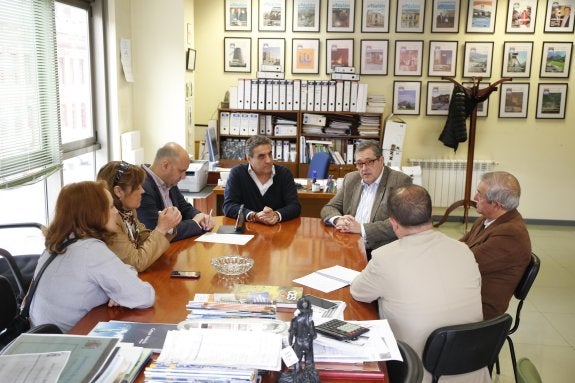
[301,336]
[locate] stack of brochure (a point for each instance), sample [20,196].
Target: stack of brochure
[375,104]
[369,126]
[230,310]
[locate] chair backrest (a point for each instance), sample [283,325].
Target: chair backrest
[319,163]
[9,306]
[528,278]
[408,371]
[459,349]
[527,372]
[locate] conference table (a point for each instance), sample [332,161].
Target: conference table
[281,253]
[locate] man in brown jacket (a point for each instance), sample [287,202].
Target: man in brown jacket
[499,240]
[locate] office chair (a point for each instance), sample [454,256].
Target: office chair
[319,163]
[460,349]
[520,293]
[19,269]
[408,371]
[9,310]
[527,372]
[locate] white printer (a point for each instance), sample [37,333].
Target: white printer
[196,177]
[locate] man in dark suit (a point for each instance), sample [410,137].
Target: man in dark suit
[161,192]
[360,206]
[499,240]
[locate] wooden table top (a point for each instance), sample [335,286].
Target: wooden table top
[281,253]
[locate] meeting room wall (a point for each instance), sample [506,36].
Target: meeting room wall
[538,151]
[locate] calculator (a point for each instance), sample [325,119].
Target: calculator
[341,330]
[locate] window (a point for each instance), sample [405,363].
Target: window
[29,127]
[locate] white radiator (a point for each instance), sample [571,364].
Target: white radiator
[445,179]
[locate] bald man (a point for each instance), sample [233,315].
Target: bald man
[161,193]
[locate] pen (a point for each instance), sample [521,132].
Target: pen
[209,219]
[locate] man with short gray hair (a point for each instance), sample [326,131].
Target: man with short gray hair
[499,240]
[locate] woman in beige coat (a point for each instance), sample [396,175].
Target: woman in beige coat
[133,243]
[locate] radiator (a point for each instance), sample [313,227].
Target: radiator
[445,179]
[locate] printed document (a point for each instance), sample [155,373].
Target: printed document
[31,368]
[230,239]
[329,279]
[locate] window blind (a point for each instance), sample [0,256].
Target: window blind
[29,120]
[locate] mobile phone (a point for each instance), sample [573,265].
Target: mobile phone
[185,274]
[320,302]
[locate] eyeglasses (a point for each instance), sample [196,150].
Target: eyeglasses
[124,166]
[368,163]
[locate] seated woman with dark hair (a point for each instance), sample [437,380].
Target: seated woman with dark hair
[133,243]
[84,273]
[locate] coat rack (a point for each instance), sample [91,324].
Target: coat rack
[479,95]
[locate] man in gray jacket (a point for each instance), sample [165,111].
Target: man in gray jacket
[360,206]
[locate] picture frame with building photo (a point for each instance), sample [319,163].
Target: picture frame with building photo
[445,16]
[237,54]
[305,56]
[374,57]
[338,52]
[306,15]
[481,16]
[517,57]
[408,57]
[271,55]
[340,15]
[272,15]
[406,97]
[513,100]
[559,16]
[410,16]
[551,100]
[482,107]
[238,15]
[375,16]
[521,16]
[438,97]
[442,58]
[556,59]
[477,59]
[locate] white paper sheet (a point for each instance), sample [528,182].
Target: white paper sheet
[329,279]
[230,239]
[32,368]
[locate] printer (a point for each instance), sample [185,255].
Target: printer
[196,177]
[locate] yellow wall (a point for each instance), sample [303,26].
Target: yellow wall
[539,152]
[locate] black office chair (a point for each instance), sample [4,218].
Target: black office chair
[520,293]
[320,164]
[408,371]
[9,310]
[19,269]
[460,349]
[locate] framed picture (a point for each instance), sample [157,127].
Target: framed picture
[272,15]
[556,59]
[481,16]
[374,57]
[410,16]
[406,97]
[338,53]
[521,16]
[237,54]
[445,16]
[442,58]
[477,59]
[271,55]
[375,16]
[191,60]
[306,15]
[340,15]
[513,100]
[482,107]
[408,57]
[305,56]
[551,99]
[438,97]
[558,17]
[517,59]
[238,15]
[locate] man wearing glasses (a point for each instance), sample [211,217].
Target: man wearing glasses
[360,205]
